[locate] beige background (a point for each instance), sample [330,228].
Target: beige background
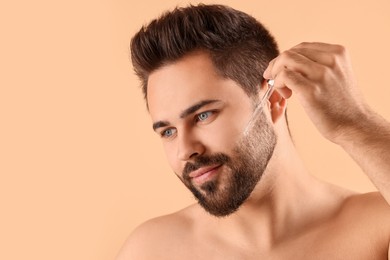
[79,164]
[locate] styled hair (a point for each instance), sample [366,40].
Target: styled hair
[239,46]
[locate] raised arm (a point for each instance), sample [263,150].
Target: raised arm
[320,76]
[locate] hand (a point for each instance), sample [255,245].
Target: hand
[321,77]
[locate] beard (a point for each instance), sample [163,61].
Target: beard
[242,171]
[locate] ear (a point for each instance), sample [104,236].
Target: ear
[278,105]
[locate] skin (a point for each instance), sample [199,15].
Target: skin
[290,214]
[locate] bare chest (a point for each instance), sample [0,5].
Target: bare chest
[328,244]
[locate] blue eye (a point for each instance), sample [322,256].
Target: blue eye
[168,132]
[203,116]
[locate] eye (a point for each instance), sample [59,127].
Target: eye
[203,116]
[168,132]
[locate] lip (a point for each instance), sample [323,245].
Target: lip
[204,173]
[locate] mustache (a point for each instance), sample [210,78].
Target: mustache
[204,160]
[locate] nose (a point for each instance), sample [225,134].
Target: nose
[189,146]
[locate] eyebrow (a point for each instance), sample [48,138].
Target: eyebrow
[188,111]
[192,109]
[159,124]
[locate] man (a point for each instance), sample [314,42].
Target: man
[204,70]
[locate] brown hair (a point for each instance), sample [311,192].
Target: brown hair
[239,46]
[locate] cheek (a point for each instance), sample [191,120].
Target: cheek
[224,136]
[229,128]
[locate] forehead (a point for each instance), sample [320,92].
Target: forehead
[174,87]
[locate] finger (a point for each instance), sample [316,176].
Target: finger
[320,46]
[324,58]
[286,92]
[288,82]
[267,73]
[321,53]
[294,61]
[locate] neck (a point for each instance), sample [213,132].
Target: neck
[286,200]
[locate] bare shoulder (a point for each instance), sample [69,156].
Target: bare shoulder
[369,213]
[359,228]
[369,205]
[155,237]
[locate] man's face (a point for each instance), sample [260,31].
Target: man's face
[200,117]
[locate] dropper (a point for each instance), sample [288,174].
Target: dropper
[259,106]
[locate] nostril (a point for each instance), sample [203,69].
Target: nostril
[189,148]
[193,155]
